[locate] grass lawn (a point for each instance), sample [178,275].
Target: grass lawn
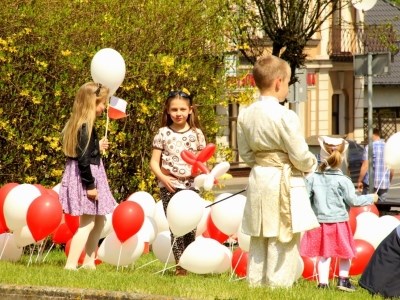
[142,278]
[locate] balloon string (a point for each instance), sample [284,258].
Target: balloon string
[169,254]
[146,264]
[237,264]
[4,247]
[226,197]
[119,256]
[51,247]
[383,177]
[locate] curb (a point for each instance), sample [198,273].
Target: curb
[19,292]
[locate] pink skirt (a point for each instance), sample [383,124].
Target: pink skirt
[329,240]
[73,196]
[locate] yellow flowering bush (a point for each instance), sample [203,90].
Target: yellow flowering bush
[44,60]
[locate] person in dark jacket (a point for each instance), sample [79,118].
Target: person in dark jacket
[382,274]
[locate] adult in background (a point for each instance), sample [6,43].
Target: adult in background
[382,177]
[277,207]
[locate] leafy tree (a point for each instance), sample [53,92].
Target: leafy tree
[286,25]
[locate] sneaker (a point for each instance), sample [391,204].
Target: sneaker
[179,271]
[344,284]
[322,285]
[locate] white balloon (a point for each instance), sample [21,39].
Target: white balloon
[386,224]
[208,182]
[220,169]
[162,247]
[300,268]
[367,227]
[228,214]
[148,231]
[145,200]
[56,188]
[16,204]
[160,218]
[203,256]
[199,180]
[226,261]
[9,251]
[23,236]
[107,229]
[243,239]
[202,226]
[114,252]
[391,152]
[184,212]
[108,68]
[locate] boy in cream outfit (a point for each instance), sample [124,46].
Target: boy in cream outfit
[277,207]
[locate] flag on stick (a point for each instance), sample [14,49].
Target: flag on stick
[117,108]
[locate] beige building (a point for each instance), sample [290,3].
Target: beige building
[336,99]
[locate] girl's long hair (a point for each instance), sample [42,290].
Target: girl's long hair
[193,118]
[334,160]
[86,100]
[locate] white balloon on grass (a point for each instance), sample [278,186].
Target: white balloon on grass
[112,251]
[160,217]
[367,227]
[23,237]
[391,152]
[226,261]
[145,200]
[184,212]
[148,231]
[386,224]
[228,214]
[16,205]
[108,68]
[202,226]
[162,247]
[202,256]
[9,250]
[107,229]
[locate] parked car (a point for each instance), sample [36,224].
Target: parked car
[354,155]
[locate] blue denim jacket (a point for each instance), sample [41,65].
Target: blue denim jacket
[332,194]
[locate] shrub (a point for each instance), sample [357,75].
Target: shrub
[45,52]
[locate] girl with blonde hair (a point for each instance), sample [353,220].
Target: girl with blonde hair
[84,190]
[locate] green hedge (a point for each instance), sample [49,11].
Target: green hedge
[45,52]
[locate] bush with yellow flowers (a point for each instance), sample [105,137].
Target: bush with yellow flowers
[45,52]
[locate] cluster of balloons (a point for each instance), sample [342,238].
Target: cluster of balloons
[369,230]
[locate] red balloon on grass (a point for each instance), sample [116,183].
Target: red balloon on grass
[364,252]
[239,262]
[62,234]
[127,219]
[72,222]
[4,190]
[213,232]
[43,216]
[310,268]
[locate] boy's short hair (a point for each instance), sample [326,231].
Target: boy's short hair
[267,69]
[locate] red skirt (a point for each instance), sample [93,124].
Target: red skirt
[329,240]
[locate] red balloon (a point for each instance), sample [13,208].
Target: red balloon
[356,210]
[397,217]
[62,234]
[239,262]
[334,268]
[82,256]
[364,252]
[206,153]
[310,268]
[127,219]
[72,222]
[4,190]
[41,188]
[213,232]
[43,216]
[53,193]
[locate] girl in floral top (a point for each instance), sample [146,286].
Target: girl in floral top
[180,130]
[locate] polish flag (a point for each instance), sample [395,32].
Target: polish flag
[117,108]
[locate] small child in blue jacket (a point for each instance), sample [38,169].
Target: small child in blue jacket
[331,195]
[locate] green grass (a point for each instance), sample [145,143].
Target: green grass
[143,280]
